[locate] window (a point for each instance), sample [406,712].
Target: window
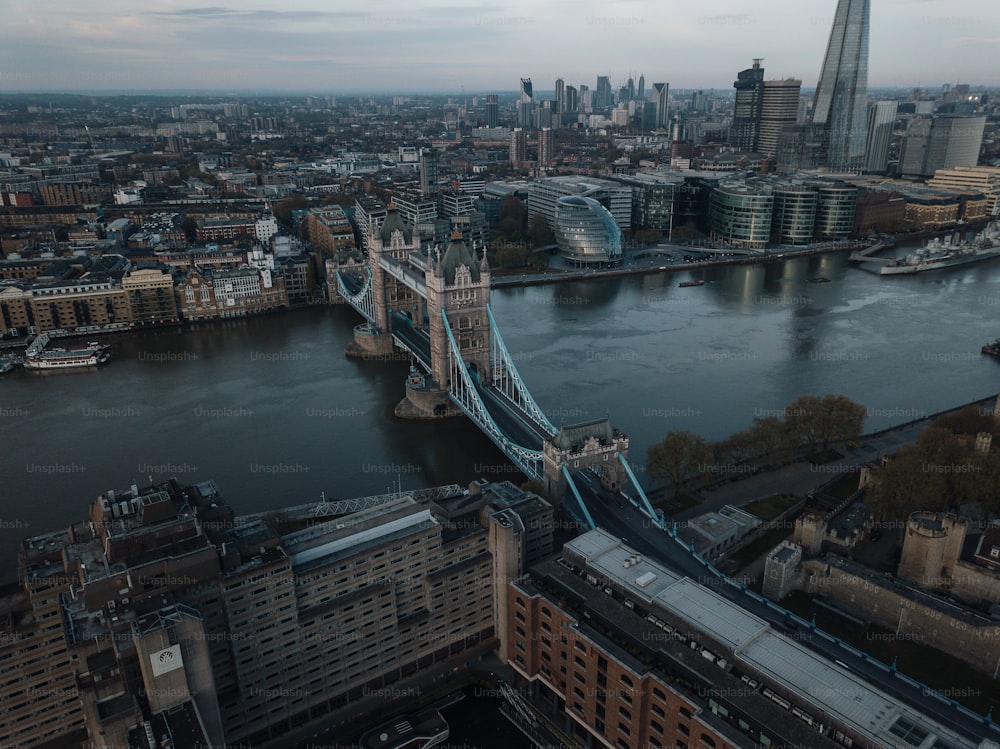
[658,710]
[624,729]
[626,681]
[681,728]
[659,693]
[708,740]
[624,713]
[685,712]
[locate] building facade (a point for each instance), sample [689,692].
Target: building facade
[841,103]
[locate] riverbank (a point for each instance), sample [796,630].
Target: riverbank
[538,278]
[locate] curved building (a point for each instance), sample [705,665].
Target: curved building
[586,231]
[794,215]
[835,211]
[740,216]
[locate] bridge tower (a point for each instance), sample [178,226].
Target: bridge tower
[396,240]
[458,284]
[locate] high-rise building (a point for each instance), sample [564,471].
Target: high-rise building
[518,146]
[842,92]
[630,88]
[492,111]
[586,99]
[560,96]
[525,105]
[881,118]
[572,100]
[428,172]
[603,98]
[940,142]
[641,93]
[661,92]
[749,86]
[779,107]
[546,147]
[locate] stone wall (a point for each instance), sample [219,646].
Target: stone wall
[878,600]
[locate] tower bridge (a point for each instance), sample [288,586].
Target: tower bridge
[435,307]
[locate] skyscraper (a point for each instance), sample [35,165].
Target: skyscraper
[940,142]
[518,146]
[841,107]
[428,172]
[749,86]
[572,102]
[602,94]
[881,118]
[660,93]
[779,106]
[525,105]
[546,145]
[492,110]
[642,87]
[560,96]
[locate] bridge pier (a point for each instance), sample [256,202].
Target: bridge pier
[371,344]
[425,400]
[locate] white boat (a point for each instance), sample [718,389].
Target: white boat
[65,358]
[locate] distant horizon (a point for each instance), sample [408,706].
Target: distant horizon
[539,93]
[437,47]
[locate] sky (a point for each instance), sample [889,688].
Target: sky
[413,46]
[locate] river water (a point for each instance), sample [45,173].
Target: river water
[271,409]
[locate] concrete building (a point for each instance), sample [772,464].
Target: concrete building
[492,111]
[163,613]
[940,142]
[329,230]
[225,228]
[369,213]
[546,147]
[780,570]
[526,106]
[428,172]
[835,210]
[793,218]
[518,146]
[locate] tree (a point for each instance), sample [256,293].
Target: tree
[539,232]
[736,448]
[766,436]
[903,486]
[283,208]
[970,420]
[677,456]
[513,208]
[826,420]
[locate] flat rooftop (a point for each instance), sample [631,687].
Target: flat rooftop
[814,679]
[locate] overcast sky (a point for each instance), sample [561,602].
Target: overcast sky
[390,46]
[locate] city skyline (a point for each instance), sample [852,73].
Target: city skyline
[418,47]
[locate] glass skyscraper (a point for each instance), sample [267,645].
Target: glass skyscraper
[842,93]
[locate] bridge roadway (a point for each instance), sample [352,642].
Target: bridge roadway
[515,424]
[624,520]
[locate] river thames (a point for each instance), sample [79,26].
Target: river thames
[271,409]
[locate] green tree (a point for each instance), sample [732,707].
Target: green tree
[678,456]
[539,232]
[903,486]
[282,210]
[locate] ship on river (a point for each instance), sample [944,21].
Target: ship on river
[939,254]
[37,356]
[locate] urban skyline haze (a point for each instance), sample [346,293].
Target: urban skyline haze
[433,46]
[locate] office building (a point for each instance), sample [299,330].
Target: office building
[526,106]
[641,93]
[881,120]
[428,172]
[749,86]
[794,214]
[940,142]
[661,93]
[492,111]
[740,215]
[603,98]
[543,194]
[779,108]
[369,213]
[835,207]
[841,105]
[560,106]
[976,179]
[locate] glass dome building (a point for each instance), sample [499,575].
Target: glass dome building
[586,232]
